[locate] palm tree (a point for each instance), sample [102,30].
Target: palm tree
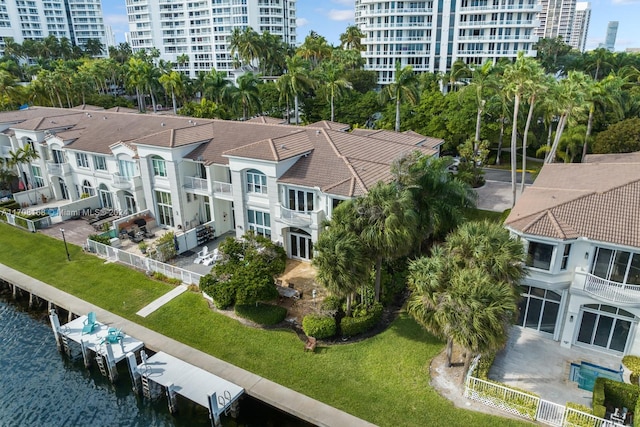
[314,49]
[136,78]
[458,71]
[480,80]
[93,47]
[22,156]
[571,95]
[538,84]
[404,87]
[295,82]
[341,262]
[352,38]
[244,44]
[386,222]
[172,82]
[246,94]
[215,85]
[334,83]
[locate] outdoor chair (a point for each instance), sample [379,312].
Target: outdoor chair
[114,335]
[311,344]
[202,255]
[212,257]
[89,323]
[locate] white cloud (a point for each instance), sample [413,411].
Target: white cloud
[341,15]
[351,3]
[622,2]
[116,20]
[301,22]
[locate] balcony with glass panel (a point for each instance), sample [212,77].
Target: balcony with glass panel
[58,169]
[125,182]
[614,277]
[196,184]
[223,190]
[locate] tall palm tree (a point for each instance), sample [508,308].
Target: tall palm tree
[136,78]
[296,81]
[352,38]
[314,49]
[458,71]
[172,83]
[341,262]
[246,94]
[334,82]
[480,81]
[403,88]
[215,85]
[22,156]
[386,221]
[537,84]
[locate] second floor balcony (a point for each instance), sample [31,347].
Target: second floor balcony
[201,185]
[222,189]
[125,182]
[300,218]
[607,290]
[58,169]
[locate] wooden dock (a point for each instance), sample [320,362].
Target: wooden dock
[191,382]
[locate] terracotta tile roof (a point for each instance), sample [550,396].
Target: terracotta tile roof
[122,110]
[18,116]
[268,120]
[275,149]
[389,135]
[177,137]
[329,125]
[613,158]
[598,201]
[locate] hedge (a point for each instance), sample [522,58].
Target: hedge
[351,326]
[576,419]
[525,407]
[633,363]
[484,365]
[100,239]
[262,314]
[319,327]
[615,394]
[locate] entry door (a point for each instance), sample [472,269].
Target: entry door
[301,246]
[130,203]
[64,192]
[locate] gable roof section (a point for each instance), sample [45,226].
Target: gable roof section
[329,125]
[267,120]
[275,149]
[607,212]
[177,137]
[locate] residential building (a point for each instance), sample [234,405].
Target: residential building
[612,33]
[200,29]
[580,225]
[280,181]
[556,19]
[77,20]
[580,27]
[431,36]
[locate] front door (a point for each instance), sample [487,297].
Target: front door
[605,327]
[300,245]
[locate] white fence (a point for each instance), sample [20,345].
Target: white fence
[143,263]
[528,406]
[26,224]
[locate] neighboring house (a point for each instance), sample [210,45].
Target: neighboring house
[279,181]
[580,224]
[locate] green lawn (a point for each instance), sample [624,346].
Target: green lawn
[479,215]
[533,166]
[384,379]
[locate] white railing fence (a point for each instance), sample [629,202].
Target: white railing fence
[143,263]
[528,406]
[613,291]
[26,224]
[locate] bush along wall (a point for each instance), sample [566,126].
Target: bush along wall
[319,327]
[351,326]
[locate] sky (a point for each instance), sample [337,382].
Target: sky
[330,18]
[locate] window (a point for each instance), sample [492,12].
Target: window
[617,266]
[538,309]
[126,168]
[540,255]
[159,166]
[37,177]
[58,157]
[165,208]
[82,160]
[259,222]
[100,163]
[87,189]
[106,199]
[301,201]
[565,257]
[256,182]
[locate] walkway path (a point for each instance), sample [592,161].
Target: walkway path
[278,396]
[154,305]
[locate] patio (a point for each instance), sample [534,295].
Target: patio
[538,364]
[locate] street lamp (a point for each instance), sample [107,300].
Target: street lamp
[65,245]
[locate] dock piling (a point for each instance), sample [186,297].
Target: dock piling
[172,398]
[133,372]
[55,325]
[85,354]
[214,411]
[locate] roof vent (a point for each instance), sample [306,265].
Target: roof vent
[88,115]
[162,124]
[104,117]
[194,123]
[318,132]
[52,121]
[190,121]
[283,147]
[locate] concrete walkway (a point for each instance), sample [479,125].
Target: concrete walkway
[280,397]
[154,305]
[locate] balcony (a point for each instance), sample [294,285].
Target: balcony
[299,218]
[58,169]
[125,183]
[608,291]
[222,189]
[201,185]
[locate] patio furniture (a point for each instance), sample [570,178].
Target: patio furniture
[310,344]
[114,336]
[212,257]
[89,323]
[146,233]
[202,255]
[135,237]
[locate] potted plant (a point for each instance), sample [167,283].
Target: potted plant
[143,247]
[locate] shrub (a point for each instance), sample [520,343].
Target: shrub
[351,326]
[576,419]
[10,205]
[332,303]
[608,392]
[262,314]
[319,327]
[520,403]
[164,278]
[484,365]
[223,293]
[633,363]
[100,239]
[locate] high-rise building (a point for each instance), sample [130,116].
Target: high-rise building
[580,25]
[200,28]
[77,20]
[556,19]
[430,36]
[612,32]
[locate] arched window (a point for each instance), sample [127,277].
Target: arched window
[256,182]
[87,188]
[106,199]
[159,166]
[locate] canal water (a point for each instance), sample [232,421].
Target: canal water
[41,387]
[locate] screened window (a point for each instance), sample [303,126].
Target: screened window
[256,182]
[82,160]
[159,166]
[259,222]
[165,208]
[540,255]
[126,168]
[37,177]
[100,163]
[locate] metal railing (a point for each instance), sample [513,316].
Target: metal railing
[143,263]
[612,291]
[25,224]
[58,168]
[196,183]
[222,188]
[292,217]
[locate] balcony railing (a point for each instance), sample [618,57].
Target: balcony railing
[124,182]
[291,217]
[58,169]
[195,183]
[222,188]
[612,291]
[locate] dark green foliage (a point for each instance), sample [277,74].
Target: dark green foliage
[10,205]
[484,365]
[105,240]
[632,363]
[362,320]
[164,278]
[622,137]
[394,280]
[223,293]
[108,101]
[332,303]
[610,393]
[262,314]
[319,327]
